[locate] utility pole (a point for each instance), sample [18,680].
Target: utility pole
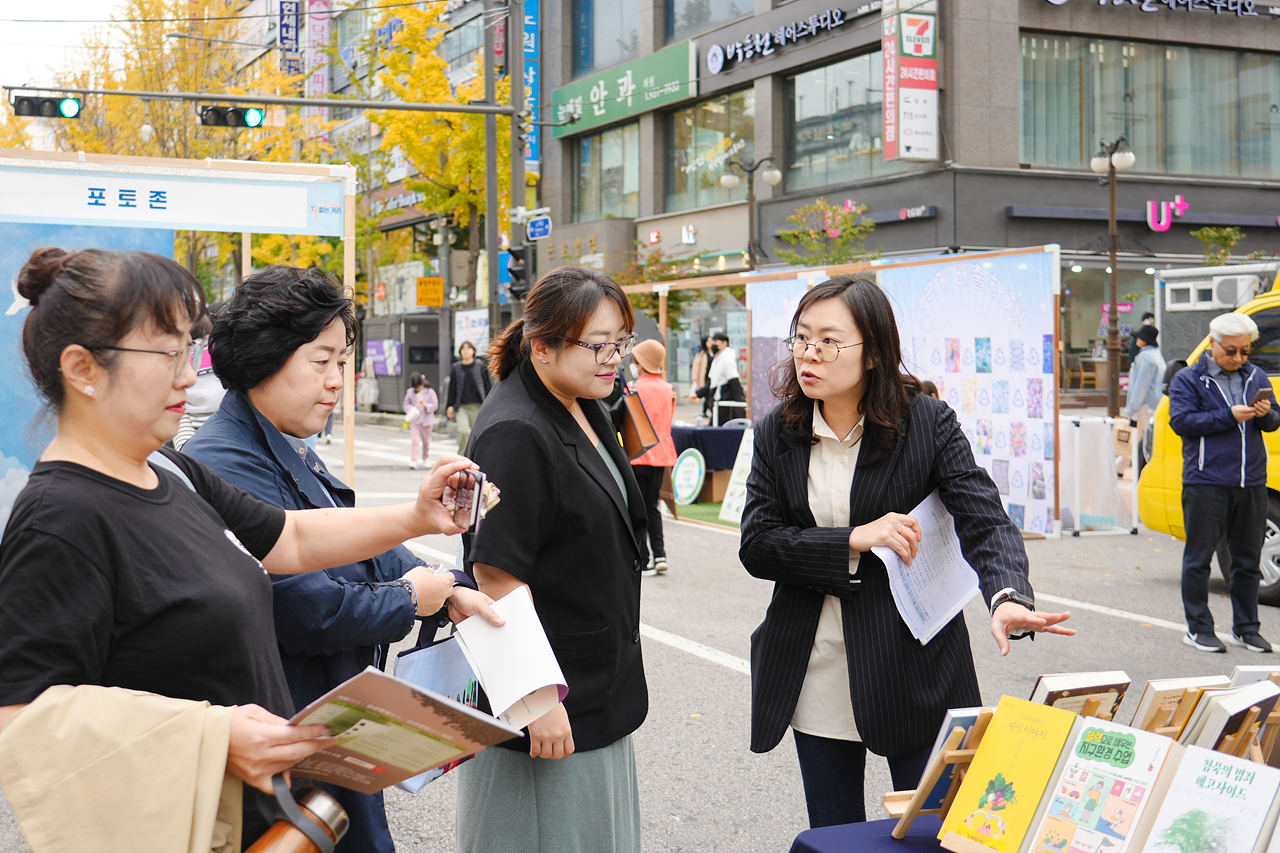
[491,215]
[515,69]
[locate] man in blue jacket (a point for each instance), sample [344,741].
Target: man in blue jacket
[1215,406]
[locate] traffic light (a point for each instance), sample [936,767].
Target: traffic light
[232,116]
[47,107]
[520,265]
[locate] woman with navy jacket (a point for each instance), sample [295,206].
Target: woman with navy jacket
[279,348]
[850,450]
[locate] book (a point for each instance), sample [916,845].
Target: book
[1211,801]
[388,730]
[514,663]
[1242,675]
[956,717]
[1227,709]
[1070,691]
[1002,789]
[1162,697]
[1100,789]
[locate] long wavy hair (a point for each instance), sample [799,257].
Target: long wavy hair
[889,392]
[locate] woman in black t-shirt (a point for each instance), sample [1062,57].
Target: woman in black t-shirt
[112,571]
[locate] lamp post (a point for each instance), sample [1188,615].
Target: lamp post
[730,181]
[1112,156]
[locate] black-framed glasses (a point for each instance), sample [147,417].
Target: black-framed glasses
[181,357]
[827,349]
[605,352]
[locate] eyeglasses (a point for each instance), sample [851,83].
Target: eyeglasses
[181,357]
[827,349]
[1232,352]
[605,352]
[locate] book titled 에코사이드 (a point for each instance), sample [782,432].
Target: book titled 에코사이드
[389,730]
[998,799]
[1212,801]
[1101,788]
[1070,691]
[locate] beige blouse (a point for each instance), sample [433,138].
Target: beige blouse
[824,708]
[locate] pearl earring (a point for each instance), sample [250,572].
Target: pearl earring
[88,390]
[543,360]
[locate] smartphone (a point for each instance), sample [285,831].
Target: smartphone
[1263,394]
[470,498]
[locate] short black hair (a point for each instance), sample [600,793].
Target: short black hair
[1147,315]
[271,314]
[720,336]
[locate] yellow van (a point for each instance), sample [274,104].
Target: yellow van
[1160,484]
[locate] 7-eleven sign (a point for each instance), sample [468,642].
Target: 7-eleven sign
[919,33]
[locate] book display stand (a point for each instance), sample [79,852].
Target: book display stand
[1254,739]
[907,805]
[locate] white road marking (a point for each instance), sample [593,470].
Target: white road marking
[727,531]
[426,552]
[1111,611]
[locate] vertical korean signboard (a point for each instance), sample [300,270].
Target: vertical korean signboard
[317,59]
[909,45]
[290,24]
[532,79]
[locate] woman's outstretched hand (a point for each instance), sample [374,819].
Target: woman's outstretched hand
[1012,618]
[900,532]
[430,509]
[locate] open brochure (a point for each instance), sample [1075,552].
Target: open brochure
[440,668]
[515,664]
[388,730]
[938,583]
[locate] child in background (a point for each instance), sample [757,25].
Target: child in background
[648,363]
[420,404]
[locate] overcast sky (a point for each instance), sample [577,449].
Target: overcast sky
[28,51]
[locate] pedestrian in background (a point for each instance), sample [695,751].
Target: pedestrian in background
[280,348]
[420,404]
[121,567]
[698,375]
[1148,319]
[570,527]
[649,360]
[723,382]
[852,447]
[929,389]
[1217,408]
[205,396]
[469,384]
[1146,378]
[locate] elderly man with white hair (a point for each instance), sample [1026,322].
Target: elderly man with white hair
[1221,405]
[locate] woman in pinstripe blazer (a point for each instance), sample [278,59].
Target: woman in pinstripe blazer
[833,659]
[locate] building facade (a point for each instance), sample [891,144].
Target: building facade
[1026,90]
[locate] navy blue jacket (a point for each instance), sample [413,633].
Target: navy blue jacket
[1217,450]
[330,624]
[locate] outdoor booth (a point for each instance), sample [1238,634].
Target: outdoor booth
[80,201]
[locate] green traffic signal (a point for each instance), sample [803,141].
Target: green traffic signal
[232,116]
[253,117]
[46,107]
[69,107]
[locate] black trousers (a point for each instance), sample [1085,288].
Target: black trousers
[649,479]
[833,772]
[1209,513]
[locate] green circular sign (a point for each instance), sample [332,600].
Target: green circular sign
[687,476]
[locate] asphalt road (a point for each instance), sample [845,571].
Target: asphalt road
[700,786]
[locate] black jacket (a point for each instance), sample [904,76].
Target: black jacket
[900,689]
[457,377]
[563,528]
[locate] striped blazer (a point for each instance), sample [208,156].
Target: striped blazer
[900,689]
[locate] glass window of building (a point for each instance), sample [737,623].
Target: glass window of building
[687,18]
[700,140]
[606,36]
[460,44]
[607,171]
[1184,110]
[835,124]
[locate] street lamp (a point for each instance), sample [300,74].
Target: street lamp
[1112,157]
[730,181]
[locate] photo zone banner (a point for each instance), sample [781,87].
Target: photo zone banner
[772,304]
[23,435]
[983,329]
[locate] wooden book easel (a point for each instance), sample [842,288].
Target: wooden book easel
[907,805]
[1254,739]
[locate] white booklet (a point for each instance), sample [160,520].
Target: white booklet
[938,583]
[514,663]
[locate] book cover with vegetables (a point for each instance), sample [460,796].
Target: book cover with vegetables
[1101,790]
[997,801]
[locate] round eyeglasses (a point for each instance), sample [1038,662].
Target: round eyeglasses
[181,357]
[827,349]
[604,352]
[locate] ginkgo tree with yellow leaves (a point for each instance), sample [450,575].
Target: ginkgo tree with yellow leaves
[446,150]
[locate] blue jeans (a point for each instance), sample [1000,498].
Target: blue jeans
[1209,513]
[834,770]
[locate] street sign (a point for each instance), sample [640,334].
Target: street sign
[430,291]
[539,228]
[380,292]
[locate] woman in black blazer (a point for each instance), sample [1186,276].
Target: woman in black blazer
[570,526]
[833,659]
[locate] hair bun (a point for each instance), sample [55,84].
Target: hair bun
[40,271]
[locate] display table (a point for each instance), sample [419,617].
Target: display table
[871,837]
[718,445]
